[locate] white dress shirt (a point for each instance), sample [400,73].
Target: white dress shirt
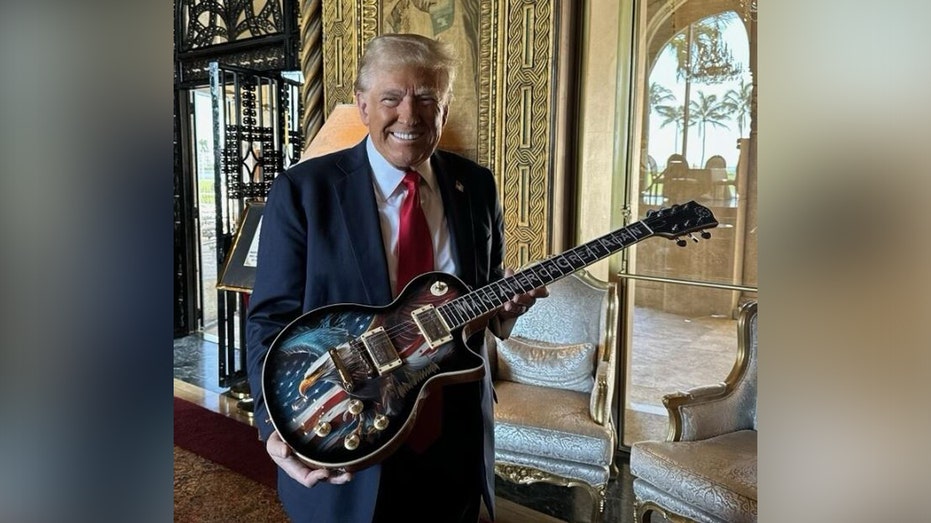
[390,192]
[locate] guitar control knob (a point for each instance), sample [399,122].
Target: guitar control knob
[351,442]
[380,422]
[322,429]
[705,234]
[681,243]
[355,406]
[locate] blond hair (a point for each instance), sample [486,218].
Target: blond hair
[393,51]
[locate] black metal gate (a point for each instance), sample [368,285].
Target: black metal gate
[257,132]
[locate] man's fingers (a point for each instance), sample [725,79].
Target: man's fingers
[281,454]
[277,448]
[341,478]
[302,473]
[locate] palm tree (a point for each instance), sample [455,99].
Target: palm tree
[737,102]
[707,110]
[672,114]
[660,94]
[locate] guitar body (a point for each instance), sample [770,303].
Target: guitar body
[343,383]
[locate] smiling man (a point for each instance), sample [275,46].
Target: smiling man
[356,226]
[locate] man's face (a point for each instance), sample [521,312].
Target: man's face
[404,114]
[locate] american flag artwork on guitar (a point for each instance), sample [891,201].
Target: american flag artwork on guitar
[307,395]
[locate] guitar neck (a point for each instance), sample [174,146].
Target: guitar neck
[479,302]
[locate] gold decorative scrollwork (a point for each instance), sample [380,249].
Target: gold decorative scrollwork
[527,109]
[527,475]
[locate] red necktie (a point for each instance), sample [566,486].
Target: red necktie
[415,257]
[415,244]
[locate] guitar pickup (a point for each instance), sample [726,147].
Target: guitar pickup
[431,324]
[342,370]
[381,351]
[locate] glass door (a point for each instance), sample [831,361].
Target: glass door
[697,142]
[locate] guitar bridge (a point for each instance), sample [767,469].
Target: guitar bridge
[381,351]
[431,324]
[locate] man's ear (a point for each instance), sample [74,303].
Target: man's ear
[445,113]
[363,106]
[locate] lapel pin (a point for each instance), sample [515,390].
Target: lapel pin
[459,186]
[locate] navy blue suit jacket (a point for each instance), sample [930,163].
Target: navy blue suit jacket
[320,244]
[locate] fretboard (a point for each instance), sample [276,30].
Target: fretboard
[479,302]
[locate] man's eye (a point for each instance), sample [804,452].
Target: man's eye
[391,102]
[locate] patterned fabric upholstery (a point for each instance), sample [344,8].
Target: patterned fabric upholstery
[717,474]
[707,470]
[545,364]
[554,381]
[560,436]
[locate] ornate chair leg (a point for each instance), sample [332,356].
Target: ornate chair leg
[599,497]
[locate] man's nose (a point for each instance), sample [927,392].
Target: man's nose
[407,111]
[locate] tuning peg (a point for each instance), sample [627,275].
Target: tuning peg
[681,243]
[380,422]
[692,236]
[705,234]
[355,406]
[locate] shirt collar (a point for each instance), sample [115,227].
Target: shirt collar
[388,177]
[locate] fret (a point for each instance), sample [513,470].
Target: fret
[504,290]
[575,260]
[488,304]
[528,281]
[563,263]
[594,255]
[475,307]
[447,313]
[488,297]
[543,271]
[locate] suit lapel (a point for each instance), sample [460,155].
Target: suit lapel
[458,209]
[360,214]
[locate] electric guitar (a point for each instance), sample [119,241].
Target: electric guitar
[344,383]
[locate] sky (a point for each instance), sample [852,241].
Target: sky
[662,140]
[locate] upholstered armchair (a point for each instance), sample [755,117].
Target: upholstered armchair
[554,379]
[705,471]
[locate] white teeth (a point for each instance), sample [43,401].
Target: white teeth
[404,136]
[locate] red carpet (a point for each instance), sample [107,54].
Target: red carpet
[224,441]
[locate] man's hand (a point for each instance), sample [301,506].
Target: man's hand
[520,303]
[282,456]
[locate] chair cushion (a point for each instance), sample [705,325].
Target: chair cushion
[716,475]
[533,362]
[562,431]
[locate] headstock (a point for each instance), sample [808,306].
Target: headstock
[678,220]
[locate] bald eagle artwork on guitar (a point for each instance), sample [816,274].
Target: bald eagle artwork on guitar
[344,383]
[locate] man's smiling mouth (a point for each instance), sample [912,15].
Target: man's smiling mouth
[405,136]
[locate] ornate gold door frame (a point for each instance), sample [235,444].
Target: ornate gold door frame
[522,63]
